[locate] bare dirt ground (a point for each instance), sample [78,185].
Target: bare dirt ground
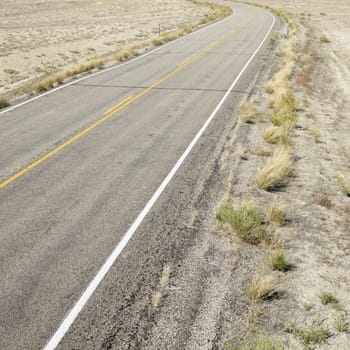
[316,237]
[40,37]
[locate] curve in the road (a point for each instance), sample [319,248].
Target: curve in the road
[125,103]
[60,220]
[68,321]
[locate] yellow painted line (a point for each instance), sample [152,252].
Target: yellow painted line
[112,109]
[184,63]
[121,105]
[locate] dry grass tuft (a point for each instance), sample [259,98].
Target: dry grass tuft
[286,118]
[276,213]
[156,299]
[256,310]
[126,54]
[340,324]
[246,221]
[260,288]
[272,134]
[158,41]
[276,170]
[58,78]
[247,112]
[279,134]
[285,111]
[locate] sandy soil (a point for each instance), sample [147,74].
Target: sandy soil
[317,235]
[39,37]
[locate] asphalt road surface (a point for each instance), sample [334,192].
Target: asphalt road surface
[77,166]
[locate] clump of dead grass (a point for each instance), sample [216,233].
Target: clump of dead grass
[285,108]
[279,85]
[284,118]
[279,134]
[340,323]
[260,288]
[246,221]
[272,134]
[247,112]
[126,54]
[276,213]
[274,174]
[56,79]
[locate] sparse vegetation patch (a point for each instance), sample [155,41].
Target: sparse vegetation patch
[328,298]
[312,335]
[246,221]
[340,324]
[247,112]
[276,213]
[272,134]
[278,261]
[260,288]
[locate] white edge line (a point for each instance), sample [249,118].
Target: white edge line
[72,315]
[117,66]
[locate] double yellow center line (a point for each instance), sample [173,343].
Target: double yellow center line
[123,104]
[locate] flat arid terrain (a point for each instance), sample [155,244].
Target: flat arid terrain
[40,37]
[248,247]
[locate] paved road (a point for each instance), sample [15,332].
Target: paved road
[62,217]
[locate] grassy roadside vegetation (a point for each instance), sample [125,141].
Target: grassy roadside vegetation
[282,115]
[99,62]
[271,179]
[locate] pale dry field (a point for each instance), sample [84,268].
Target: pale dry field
[331,18]
[319,242]
[40,37]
